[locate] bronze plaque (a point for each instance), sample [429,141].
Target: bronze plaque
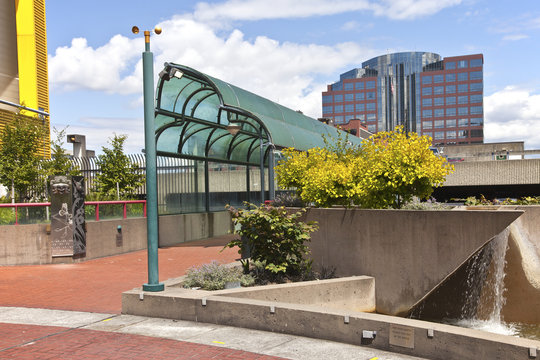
[402,336]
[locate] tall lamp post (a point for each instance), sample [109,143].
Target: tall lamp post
[151,164]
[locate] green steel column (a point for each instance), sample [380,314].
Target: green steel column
[261,168]
[151,173]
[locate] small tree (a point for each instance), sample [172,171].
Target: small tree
[60,163]
[398,166]
[19,157]
[119,178]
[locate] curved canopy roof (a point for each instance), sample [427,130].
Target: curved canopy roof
[194,114]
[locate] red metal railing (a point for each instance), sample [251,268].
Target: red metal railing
[117,202]
[16,206]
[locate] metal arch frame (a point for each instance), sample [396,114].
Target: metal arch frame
[188,123]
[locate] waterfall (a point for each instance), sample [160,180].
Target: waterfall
[485,289]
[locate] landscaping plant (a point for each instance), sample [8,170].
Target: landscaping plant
[275,238]
[214,276]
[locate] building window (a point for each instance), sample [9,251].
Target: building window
[462,76]
[370,84]
[348,86]
[427,124]
[439,135]
[338,119]
[438,90]
[359,85]
[450,89]
[338,108]
[450,111]
[338,98]
[476,62]
[426,91]
[360,117]
[450,77]
[461,111]
[451,123]
[476,86]
[426,79]
[372,128]
[370,95]
[463,99]
[463,134]
[370,106]
[463,88]
[462,64]
[438,101]
[450,65]
[349,117]
[476,75]
[439,124]
[427,102]
[327,109]
[337,86]
[476,98]
[475,110]
[349,97]
[438,112]
[477,133]
[463,122]
[349,108]
[327,99]
[371,117]
[450,134]
[451,100]
[438,78]
[427,113]
[359,107]
[477,121]
[359,96]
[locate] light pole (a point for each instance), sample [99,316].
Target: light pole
[151,164]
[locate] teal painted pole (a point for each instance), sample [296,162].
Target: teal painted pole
[151,172]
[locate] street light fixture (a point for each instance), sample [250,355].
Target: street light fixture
[151,164]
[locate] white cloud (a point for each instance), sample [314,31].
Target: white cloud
[252,10]
[515,37]
[284,72]
[81,66]
[98,131]
[513,114]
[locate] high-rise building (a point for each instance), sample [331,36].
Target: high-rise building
[442,98]
[23,63]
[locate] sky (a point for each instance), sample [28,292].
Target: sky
[285,50]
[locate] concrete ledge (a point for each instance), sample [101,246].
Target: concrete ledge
[406,336]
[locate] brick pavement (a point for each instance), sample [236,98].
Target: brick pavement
[97,285]
[50,342]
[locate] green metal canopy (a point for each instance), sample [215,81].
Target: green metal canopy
[196,116]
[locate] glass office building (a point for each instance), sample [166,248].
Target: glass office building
[421,91]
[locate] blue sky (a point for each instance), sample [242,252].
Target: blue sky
[286,50]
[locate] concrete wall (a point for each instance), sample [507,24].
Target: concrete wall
[408,252]
[511,172]
[24,244]
[406,336]
[30,244]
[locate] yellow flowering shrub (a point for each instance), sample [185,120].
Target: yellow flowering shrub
[386,171]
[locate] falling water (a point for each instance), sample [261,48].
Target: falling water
[485,289]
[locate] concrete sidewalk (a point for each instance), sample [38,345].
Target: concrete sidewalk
[39,333]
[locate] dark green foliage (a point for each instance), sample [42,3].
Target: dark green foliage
[275,237]
[119,178]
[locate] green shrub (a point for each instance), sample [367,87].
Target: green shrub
[274,237]
[214,276]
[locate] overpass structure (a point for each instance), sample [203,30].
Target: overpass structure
[493,179]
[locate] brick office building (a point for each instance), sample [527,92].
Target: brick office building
[442,98]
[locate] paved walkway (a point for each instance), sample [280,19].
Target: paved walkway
[34,323]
